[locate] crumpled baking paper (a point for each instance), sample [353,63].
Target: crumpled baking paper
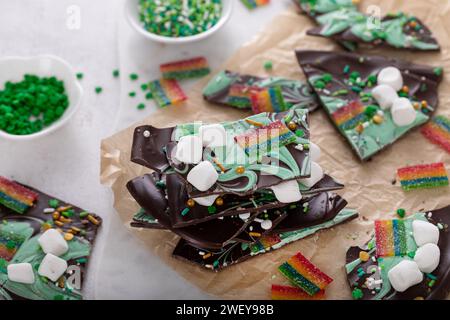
[369,186]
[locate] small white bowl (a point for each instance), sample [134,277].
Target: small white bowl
[132,15]
[14,68]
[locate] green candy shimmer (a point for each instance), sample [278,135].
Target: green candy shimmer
[31,105]
[179,18]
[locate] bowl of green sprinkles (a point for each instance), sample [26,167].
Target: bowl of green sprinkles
[38,95]
[178,21]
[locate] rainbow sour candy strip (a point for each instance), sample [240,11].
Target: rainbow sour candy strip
[423,176]
[166,92]
[349,116]
[185,69]
[301,272]
[268,100]
[390,238]
[265,242]
[438,132]
[239,95]
[251,4]
[16,197]
[264,138]
[291,293]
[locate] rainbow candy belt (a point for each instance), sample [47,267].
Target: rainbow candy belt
[185,69]
[251,4]
[268,100]
[166,92]
[438,131]
[265,242]
[390,238]
[301,272]
[264,138]
[292,293]
[16,197]
[423,176]
[349,116]
[239,95]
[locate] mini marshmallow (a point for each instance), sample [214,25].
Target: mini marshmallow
[213,135]
[206,201]
[189,150]
[203,176]
[266,224]
[427,257]
[403,112]
[316,175]
[425,232]
[53,242]
[21,272]
[287,192]
[314,152]
[244,216]
[392,77]
[384,95]
[405,275]
[52,267]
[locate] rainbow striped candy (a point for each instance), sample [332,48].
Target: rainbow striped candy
[301,272]
[185,69]
[251,4]
[390,238]
[291,293]
[423,176]
[268,100]
[265,242]
[349,116]
[166,92]
[239,95]
[264,138]
[438,132]
[16,197]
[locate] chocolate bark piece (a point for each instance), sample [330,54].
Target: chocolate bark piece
[399,31]
[171,186]
[346,95]
[18,243]
[264,164]
[427,289]
[237,252]
[219,90]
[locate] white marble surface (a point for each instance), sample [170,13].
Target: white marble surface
[66,164]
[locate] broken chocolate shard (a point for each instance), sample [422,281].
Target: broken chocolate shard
[18,243]
[434,286]
[344,82]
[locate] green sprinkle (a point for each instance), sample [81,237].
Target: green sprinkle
[161,184]
[116,73]
[340,92]
[355,75]
[356,89]
[346,69]
[53,203]
[10,244]
[372,79]
[216,263]
[438,71]
[431,283]
[431,276]
[268,65]
[440,226]
[357,294]
[319,84]
[327,77]
[411,254]
[371,110]
[58,297]
[79,75]
[132,94]
[98,90]
[144,87]
[141,106]
[68,213]
[81,260]
[401,212]
[299,133]
[185,211]
[149,96]
[83,214]
[134,77]
[212,209]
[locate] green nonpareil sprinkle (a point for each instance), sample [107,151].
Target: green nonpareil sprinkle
[116,73]
[212,209]
[299,133]
[84,214]
[268,65]
[134,77]
[149,96]
[357,294]
[438,71]
[53,203]
[68,213]
[319,84]
[80,75]
[356,89]
[98,90]
[141,106]
[144,86]
[132,94]
[401,212]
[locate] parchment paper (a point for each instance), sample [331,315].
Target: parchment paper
[369,186]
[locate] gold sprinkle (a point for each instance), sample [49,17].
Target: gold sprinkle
[416,105]
[190,203]
[254,123]
[360,128]
[46,226]
[364,256]
[377,119]
[413,24]
[61,282]
[59,223]
[254,234]
[206,256]
[68,236]
[64,219]
[93,220]
[240,170]
[56,215]
[292,125]
[424,104]
[62,209]
[75,229]
[419,298]
[219,201]
[221,167]
[405,89]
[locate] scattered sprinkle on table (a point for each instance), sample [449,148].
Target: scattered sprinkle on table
[423,176]
[268,65]
[132,94]
[134,77]
[149,96]
[185,69]
[141,106]
[98,90]
[80,75]
[144,86]
[31,105]
[116,73]
[252,4]
[175,18]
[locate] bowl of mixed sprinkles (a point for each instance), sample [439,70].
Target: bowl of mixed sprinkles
[38,95]
[178,21]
